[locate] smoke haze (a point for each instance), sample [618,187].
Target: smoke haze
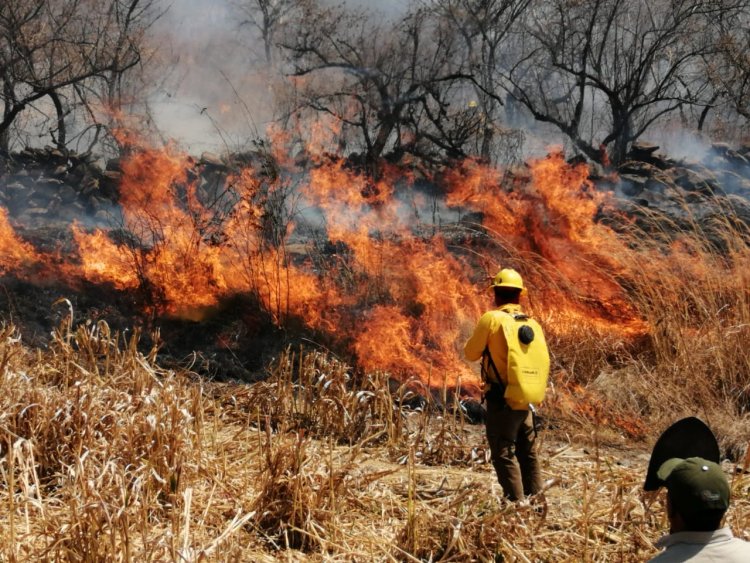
[216,95]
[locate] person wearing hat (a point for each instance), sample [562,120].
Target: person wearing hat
[509,418]
[697,499]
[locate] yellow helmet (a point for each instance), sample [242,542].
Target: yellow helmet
[508,278]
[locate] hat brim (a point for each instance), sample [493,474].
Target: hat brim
[521,289]
[689,437]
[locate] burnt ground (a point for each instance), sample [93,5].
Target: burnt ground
[236,340]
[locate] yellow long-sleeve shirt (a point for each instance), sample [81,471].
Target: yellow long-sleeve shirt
[489,334]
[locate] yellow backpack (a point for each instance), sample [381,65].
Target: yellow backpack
[528,361]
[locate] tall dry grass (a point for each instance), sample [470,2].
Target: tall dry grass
[319,395]
[105,456]
[691,283]
[99,429]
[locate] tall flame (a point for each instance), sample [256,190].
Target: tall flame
[354,258]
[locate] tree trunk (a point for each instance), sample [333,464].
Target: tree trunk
[7,118]
[378,146]
[488,134]
[622,141]
[61,139]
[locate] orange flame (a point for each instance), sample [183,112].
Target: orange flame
[395,290]
[549,219]
[15,254]
[103,260]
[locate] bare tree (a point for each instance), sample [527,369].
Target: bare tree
[636,58]
[56,50]
[391,83]
[267,18]
[730,71]
[484,27]
[135,66]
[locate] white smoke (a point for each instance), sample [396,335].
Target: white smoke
[680,144]
[218,96]
[214,98]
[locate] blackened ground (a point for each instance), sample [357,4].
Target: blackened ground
[235,340]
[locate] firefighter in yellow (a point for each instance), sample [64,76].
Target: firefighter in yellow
[515,368]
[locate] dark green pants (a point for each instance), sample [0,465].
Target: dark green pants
[512,444]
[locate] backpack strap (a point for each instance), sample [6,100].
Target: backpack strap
[496,389]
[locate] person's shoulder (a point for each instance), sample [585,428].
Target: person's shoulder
[730,549]
[736,550]
[501,316]
[494,315]
[736,544]
[741,544]
[678,547]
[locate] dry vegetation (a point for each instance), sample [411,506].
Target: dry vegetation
[692,287]
[107,457]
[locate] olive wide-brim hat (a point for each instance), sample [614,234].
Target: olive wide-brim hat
[686,438]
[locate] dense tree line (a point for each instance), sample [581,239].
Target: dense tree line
[441,80]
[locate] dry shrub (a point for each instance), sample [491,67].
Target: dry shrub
[95,425]
[693,287]
[434,429]
[689,283]
[592,407]
[314,392]
[581,349]
[430,535]
[591,522]
[299,494]
[317,394]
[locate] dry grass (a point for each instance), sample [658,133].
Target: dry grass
[107,457]
[689,283]
[692,286]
